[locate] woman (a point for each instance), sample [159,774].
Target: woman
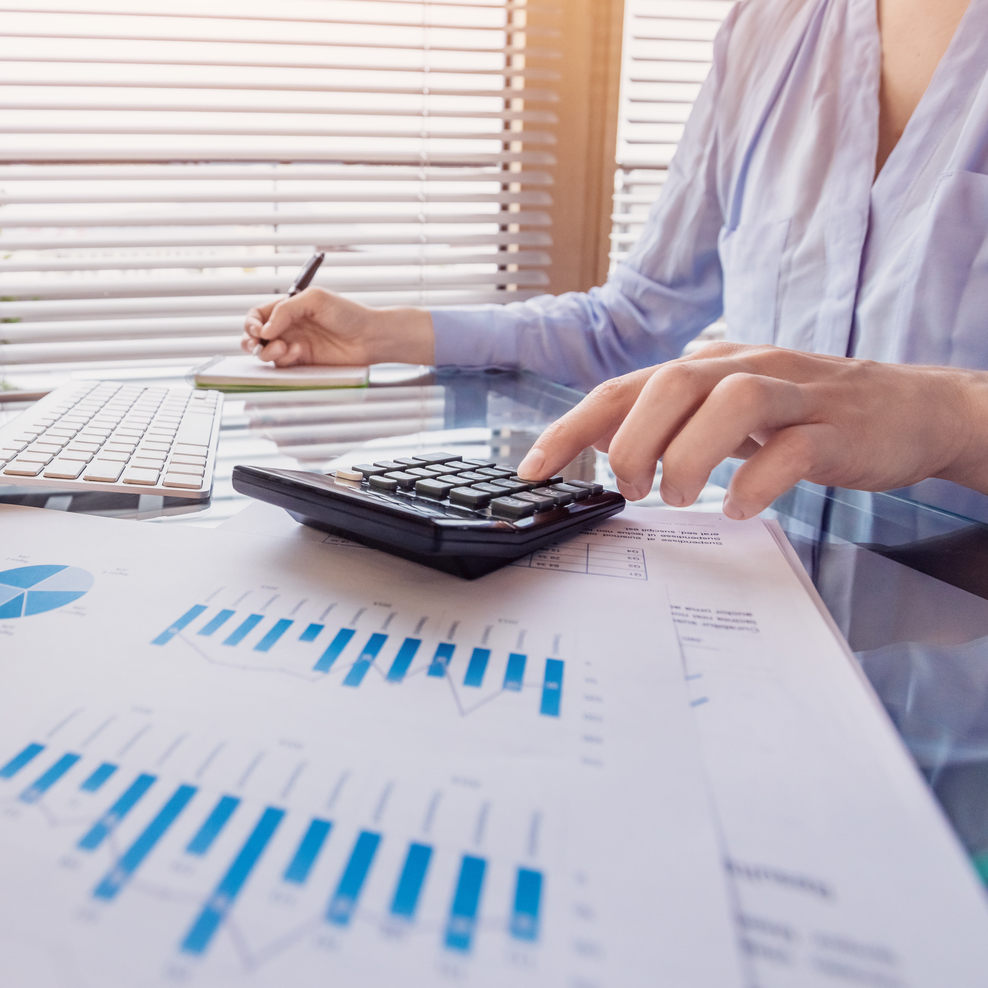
[830,195]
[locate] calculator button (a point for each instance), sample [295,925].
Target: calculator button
[560,497]
[408,461]
[369,470]
[511,507]
[579,493]
[541,503]
[509,486]
[424,473]
[433,488]
[586,485]
[495,472]
[488,489]
[480,464]
[388,464]
[349,475]
[380,483]
[469,498]
[404,480]
[515,479]
[472,477]
[429,458]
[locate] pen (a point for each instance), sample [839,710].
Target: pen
[305,276]
[302,281]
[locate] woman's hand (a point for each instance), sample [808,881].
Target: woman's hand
[791,415]
[320,327]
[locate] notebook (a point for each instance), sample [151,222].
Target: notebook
[247,373]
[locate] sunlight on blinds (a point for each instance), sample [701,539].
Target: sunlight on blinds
[668,46]
[164,166]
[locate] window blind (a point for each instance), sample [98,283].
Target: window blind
[668,47]
[164,166]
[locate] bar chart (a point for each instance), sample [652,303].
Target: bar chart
[422,886]
[321,649]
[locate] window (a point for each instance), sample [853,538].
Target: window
[166,165]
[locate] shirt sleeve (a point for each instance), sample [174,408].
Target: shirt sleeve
[668,290]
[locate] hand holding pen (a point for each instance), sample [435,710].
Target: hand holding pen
[302,281]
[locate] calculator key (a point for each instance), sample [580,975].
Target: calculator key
[510,486]
[488,489]
[408,461]
[404,480]
[451,478]
[433,488]
[560,497]
[469,497]
[541,502]
[424,473]
[497,473]
[429,458]
[579,493]
[369,470]
[586,485]
[382,483]
[354,475]
[511,507]
[480,464]
[472,477]
[388,464]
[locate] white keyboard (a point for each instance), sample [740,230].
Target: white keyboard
[105,436]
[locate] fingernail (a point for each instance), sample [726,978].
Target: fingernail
[533,465]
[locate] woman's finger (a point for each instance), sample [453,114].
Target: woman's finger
[594,421]
[738,407]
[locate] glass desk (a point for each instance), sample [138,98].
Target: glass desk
[906,582]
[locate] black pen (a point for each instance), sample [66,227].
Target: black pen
[302,281]
[305,276]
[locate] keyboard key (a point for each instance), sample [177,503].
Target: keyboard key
[185,458]
[147,464]
[388,465]
[63,469]
[52,449]
[472,477]
[179,447]
[495,473]
[381,483]
[113,454]
[22,468]
[587,485]
[195,430]
[469,498]
[35,456]
[118,447]
[14,445]
[103,471]
[425,472]
[139,475]
[511,507]
[404,480]
[433,488]
[164,447]
[181,480]
[541,503]
[186,469]
[408,461]
[480,464]
[62,432]
[488,489]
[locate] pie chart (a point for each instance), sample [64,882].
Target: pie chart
[35,589]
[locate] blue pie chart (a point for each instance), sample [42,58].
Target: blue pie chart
[35,589]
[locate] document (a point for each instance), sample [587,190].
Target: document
[843,869]
[230,759]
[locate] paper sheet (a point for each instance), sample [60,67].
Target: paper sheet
[843,867]
[230,760]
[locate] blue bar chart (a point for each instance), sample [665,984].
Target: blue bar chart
[213,825]
[466,902]
[308,850]
[230,885]
[109,821]
[43,783]
[409,889]
[525,915]
[348,655]
[21,759]
[95,780]
[344,900]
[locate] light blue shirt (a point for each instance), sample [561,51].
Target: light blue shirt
[771,215]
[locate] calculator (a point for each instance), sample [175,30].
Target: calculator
[465,517]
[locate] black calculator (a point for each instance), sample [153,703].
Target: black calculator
[466,517]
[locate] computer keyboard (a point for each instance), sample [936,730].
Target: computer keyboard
[111,437]
[466,517]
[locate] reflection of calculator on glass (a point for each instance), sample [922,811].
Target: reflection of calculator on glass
[466,517]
